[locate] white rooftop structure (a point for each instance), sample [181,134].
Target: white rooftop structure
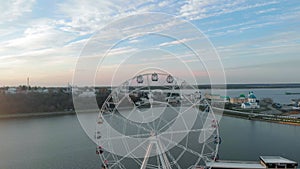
[235,164]
[276,160]
[264,163]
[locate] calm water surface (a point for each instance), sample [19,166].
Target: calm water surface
[278,95]
[59,142]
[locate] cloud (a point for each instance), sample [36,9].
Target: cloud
[240,28]
[12,9]
[87,16]
[176,42]
[283,46]
[266,11]
[197,9]
[52,41]
[121,50]
[35,37]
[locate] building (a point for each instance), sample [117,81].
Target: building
[11,90]
[246,105]
[252,102]
[90,92]
[215,97]
[251,97]
[238,100]
[278,162]
[225,99]
[264,163]
[212,96]
[296,102]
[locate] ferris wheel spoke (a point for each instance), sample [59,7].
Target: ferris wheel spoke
[138,125]
[209,147]
[182,147]
[173,159]
[189,101]
[184,122]
[136,160]
[167,124]
[158,125]
[171,121]
[143,142]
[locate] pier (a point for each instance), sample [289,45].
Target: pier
[264,163]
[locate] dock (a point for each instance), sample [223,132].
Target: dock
[264,163]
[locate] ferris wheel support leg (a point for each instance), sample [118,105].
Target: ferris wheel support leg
[164,159]
[145,161]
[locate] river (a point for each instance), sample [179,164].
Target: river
[60,142]
[278,95]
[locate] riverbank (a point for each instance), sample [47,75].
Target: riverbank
[40,114]
[226,112]
[261,117]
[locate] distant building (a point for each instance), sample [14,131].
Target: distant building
[238,100]
[225,98]
[75,90]
[252,102]
[11,90]
[251,97]
[216,97]
[88,93]
[41,90]
[212,96]
[45,91]
[296,102]
[246,105]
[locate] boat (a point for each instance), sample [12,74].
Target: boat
[292,93]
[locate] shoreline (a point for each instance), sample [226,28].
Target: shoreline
[264,120]
[229,113]
[243,116]
[40,114]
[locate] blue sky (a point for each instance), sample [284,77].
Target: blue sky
[257,41]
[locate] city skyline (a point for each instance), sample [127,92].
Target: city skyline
[258,42]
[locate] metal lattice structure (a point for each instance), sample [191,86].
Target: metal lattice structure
[156,120]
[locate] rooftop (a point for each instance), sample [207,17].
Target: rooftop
[247,104]
[265,161]
[276,160]
[235,164]
[252,96]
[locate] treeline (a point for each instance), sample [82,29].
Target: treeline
[35,102]
[40,102]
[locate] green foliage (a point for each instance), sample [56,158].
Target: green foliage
[35,102]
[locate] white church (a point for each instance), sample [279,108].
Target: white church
[252,102]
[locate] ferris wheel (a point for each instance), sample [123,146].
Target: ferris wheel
[156,120]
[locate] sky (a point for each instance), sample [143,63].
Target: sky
[255,41]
